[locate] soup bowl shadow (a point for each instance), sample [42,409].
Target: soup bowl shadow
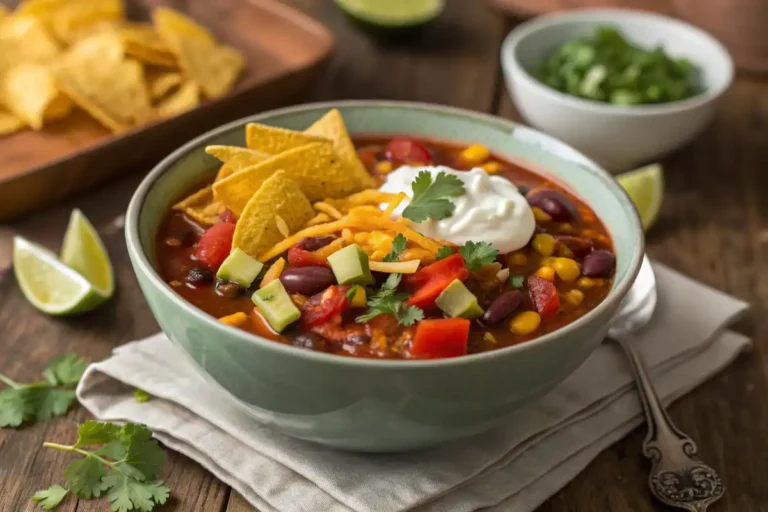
[381,405]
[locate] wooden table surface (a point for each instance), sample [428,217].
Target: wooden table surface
[712,227]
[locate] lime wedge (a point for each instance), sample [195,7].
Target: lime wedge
[49,284]
[392,13]
[84,252]
[645,187]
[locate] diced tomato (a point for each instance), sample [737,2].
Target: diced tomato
[430,281]
[367,157]
[215,244]
[298,257]
[544,295]
[228,216]
[405,150]
[445,337]
[323,307]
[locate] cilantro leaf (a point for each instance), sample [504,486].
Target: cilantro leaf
[141,396]
[398,245]
[516,282]
[478,254]
[38,401]
[444,252]
[143,452]
[387,302]
[65,370]
[51,497]
[127,494]
[96,432]
[431,197]
[352,292]
[84,477]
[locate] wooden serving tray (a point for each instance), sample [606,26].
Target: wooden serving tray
[284,50]
[528,8]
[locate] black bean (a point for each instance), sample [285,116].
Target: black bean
[309,340]
[503,306]
[307,280]
[578,246]
[358,338]
[523,189]
[598,263]
[228,289]
[554,203]
[313,243]
[199,276]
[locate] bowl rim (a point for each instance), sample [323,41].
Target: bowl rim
[510,60]
[138,253]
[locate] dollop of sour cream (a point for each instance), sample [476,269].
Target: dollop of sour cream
[491,210]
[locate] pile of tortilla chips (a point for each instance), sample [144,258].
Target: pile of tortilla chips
[56,55]
[271,184]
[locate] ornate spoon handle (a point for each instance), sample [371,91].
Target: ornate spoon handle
[678,478]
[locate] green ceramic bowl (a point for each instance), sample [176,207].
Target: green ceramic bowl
[371,405]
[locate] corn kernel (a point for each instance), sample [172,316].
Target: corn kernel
[347,235]
[378,255]
[547,273]
[566,268]
[574,297]
[475,154]
[490,338]
[544,244]
[548,261]
[518,258]
[565,227]
[540,215]
[299,299]
[492,167]
[359,299]
[585,282]
[564,251]
[362,237]
[525,323]
[599,282]
[380,241]
[384,167]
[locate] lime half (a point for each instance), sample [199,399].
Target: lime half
[83,251]
[646,188]
[392,13]
[49,284]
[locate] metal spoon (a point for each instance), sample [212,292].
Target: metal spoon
[678,478]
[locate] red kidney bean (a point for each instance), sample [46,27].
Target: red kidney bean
[227,289]
[598,263]
[309,340]
[502,306]
[313,243]
[307,280]
[578,246]
[555,203]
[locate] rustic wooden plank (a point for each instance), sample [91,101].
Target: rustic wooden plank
[710,229]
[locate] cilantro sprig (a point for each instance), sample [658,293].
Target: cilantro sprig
[478,254]
[123,469]
[443,252]
[431,196]
[388,302]
[45,399]
[399,244]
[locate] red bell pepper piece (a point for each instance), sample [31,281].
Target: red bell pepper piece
[215,244]
[228,216]
[430,281]
[299,257]
[437,338]
[325,306]
[405,150]
[543,295]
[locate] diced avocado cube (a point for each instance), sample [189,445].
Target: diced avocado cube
[350,266]
[457,301]
[276,305]
[240,268]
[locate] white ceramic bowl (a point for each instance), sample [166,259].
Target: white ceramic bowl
[617,137]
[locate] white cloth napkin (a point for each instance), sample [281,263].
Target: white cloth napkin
[514,467]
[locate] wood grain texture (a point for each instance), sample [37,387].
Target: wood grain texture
[712,227]
[284,51]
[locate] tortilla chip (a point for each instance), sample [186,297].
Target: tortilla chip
[273,140]
[24,40]
[224,171]
[73,19]
[201,207]
[256,231]
[170,22]
[331,126]
[9,123]
[3,11]
[214,67]
[246,156]
[183,100]
[144,43]
[315,167]
[115,94]
[100,50]
[161,83]
[30,93]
